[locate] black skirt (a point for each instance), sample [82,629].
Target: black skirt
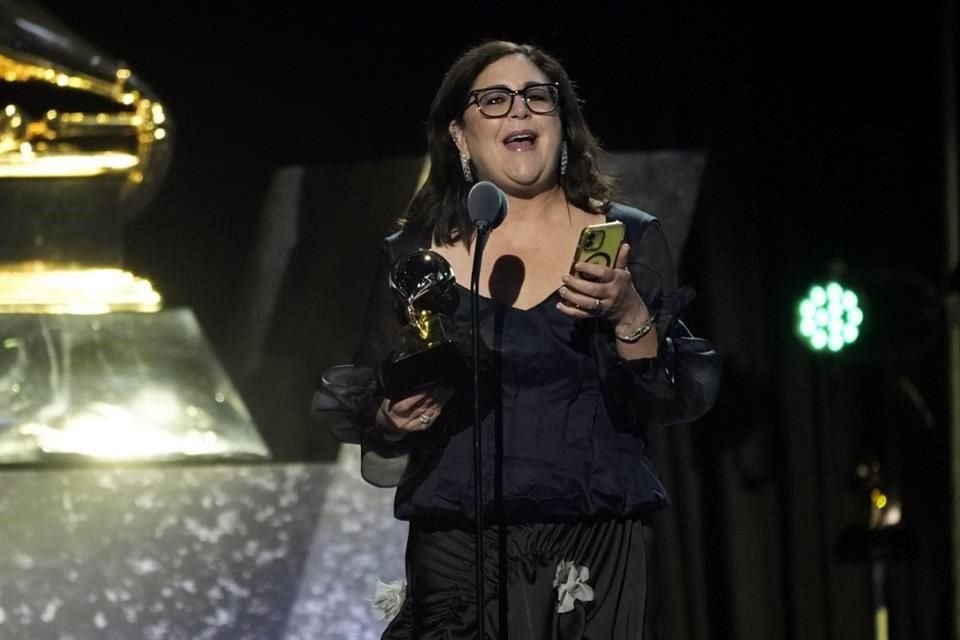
[564,581]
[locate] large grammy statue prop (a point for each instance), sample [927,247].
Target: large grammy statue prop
[91,365]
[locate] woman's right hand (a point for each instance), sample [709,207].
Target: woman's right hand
[418,412]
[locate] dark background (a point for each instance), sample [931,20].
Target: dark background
[824,118]
[822,126]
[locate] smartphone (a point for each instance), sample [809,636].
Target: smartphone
[599,244]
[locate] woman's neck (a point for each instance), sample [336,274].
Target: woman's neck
[547,207]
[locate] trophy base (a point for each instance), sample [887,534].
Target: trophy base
[442,366]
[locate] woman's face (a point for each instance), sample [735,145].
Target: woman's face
[518,152]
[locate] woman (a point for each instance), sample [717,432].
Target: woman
[579,366]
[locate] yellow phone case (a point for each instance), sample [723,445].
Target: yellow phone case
[599,244]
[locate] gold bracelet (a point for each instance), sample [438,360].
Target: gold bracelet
[641,331]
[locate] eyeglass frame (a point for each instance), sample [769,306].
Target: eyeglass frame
[473,98]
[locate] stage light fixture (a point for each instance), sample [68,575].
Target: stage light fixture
[829,317]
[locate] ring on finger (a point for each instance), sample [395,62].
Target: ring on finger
[599,306]
[425,418]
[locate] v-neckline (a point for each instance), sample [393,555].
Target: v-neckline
[496,302]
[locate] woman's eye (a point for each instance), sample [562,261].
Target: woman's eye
[493,98]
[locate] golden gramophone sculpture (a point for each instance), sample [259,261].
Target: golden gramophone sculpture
[91,365]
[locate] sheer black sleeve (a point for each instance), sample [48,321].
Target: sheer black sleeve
[348,396]
[680,384]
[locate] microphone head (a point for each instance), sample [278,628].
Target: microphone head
[487,205]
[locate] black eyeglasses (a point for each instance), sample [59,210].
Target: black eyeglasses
[497,102]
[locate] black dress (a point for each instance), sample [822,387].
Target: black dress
[567,482]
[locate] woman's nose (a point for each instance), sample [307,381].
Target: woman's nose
[519,108]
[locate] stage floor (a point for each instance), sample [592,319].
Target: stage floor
[238,552]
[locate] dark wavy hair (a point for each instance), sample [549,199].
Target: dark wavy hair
[440,205]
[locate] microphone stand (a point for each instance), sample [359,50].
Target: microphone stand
[483,232]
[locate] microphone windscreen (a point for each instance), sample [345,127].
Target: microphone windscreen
[486,204]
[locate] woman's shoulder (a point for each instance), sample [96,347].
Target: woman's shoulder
[406,239]
[636,220]
[629,215]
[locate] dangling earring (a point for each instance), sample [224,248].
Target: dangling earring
[465,165]
[563,158]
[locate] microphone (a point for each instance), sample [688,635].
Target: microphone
[487,205]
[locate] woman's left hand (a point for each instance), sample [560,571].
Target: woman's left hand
[600,291]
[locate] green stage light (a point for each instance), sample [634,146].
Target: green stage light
[829,317]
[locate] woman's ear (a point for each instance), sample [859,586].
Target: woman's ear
[456,133]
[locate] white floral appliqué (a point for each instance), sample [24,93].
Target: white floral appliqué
[389,598]
[571,585]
